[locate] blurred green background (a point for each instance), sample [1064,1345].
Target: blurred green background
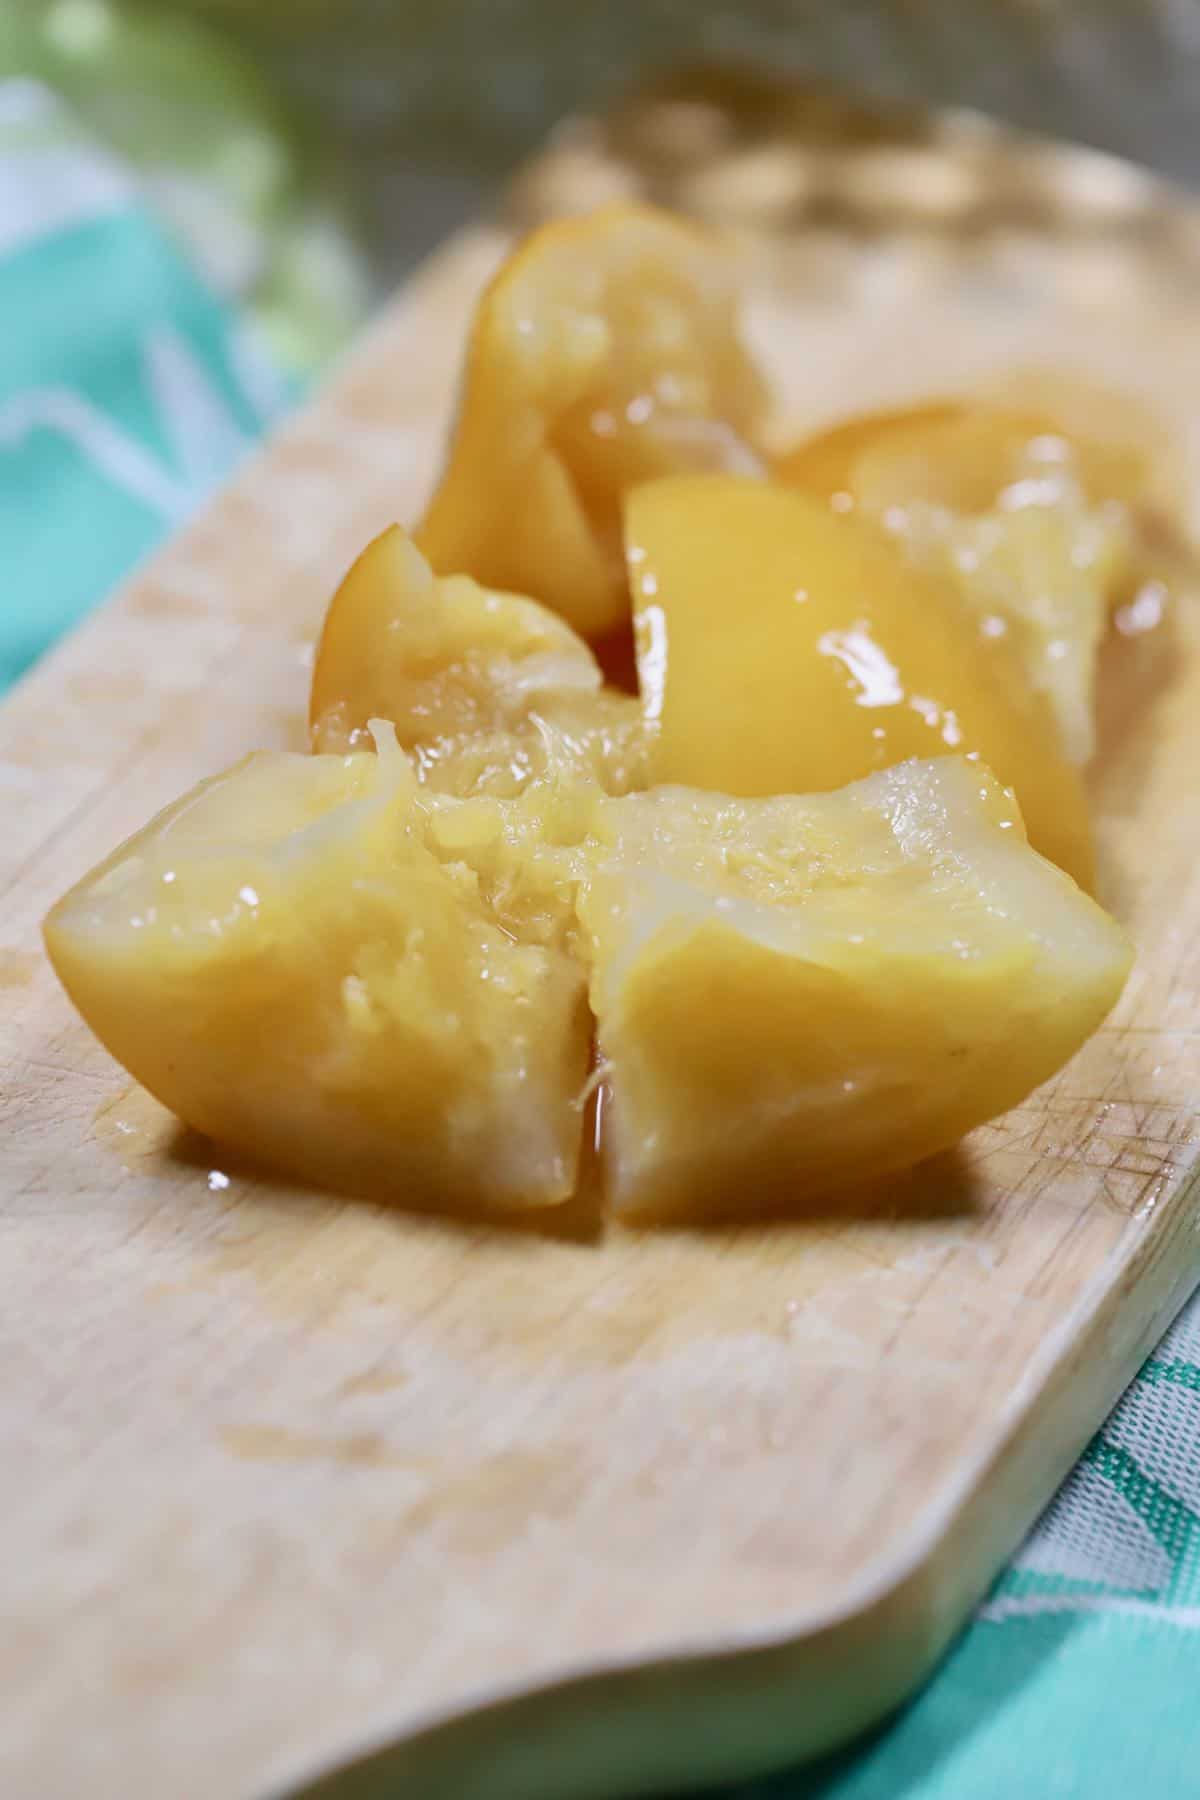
[314,149]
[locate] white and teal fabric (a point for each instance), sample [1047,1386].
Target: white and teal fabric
[126,391]
[1079,1678]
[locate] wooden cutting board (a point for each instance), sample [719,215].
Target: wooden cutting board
[287,1478]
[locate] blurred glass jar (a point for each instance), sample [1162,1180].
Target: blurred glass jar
[261,120]
[474,83]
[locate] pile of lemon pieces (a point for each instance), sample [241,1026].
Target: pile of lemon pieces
[809,904]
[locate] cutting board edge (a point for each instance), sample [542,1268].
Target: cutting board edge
[653,1723]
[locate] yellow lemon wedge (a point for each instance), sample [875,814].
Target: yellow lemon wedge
[604,351]
[1035,526]
[487,690]
[825,464]
[794,994]
[783,649]
[300,961]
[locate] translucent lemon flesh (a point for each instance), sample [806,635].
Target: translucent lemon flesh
[297,964]
[783,649]
[320,963]
[604,352]
[797,993]
[488,690]
[1035,527]
[825,464]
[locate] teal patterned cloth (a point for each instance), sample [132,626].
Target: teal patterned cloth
[125,393]
[1079,1678]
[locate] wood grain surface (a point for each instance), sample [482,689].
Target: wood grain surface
[286,1478]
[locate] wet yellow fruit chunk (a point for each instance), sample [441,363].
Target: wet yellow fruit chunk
[783,649]
[488,690]
[1034,525]
[826,463]
[797,993]
[604,352]
[300,961]
[436,657]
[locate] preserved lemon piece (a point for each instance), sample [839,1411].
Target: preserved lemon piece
[436,657]
[794,994]
[987,437]
[488,690]
[604,352]
[295,962]
[1034,525]
[825,464]
[783,649]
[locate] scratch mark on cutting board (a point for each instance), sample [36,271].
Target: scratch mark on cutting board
[272,1443]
